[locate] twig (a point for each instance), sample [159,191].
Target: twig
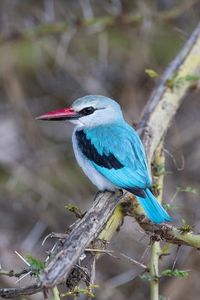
[12,273]
[176,257]
[19,291]
[117,255]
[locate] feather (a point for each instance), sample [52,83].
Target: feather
[153,209]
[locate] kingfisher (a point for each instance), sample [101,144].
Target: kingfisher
[110,151]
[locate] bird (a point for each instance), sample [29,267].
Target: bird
[110,151]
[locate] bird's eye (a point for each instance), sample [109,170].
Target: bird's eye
[87,111]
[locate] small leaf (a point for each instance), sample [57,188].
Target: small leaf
[192,77]
[176,81]
[151,73]
[165,249]
[36,265]
[75,210]
[175,273]
[170,83]
[188,189]
[78,291]
[185,228]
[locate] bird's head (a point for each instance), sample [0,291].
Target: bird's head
[88,111]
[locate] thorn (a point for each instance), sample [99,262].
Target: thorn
[22,277]
[46,238]
[22,258]
[176,257]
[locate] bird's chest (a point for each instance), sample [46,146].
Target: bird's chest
[96,178]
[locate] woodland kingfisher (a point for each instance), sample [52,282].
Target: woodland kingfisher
[109,150]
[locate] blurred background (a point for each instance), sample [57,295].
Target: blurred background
[52,52]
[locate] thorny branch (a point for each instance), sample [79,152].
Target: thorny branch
[106,215]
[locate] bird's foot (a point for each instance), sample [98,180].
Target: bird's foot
[97,194]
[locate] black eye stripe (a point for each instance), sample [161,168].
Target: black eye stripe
[87,111]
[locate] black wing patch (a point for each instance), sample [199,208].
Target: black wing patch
[137,192]
[89,150]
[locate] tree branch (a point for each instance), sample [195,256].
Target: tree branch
[16,292]
[167,97]
[86,230]
[155,245]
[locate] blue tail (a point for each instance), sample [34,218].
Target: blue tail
[154,211]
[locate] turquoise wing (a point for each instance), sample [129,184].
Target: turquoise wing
[117,153]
